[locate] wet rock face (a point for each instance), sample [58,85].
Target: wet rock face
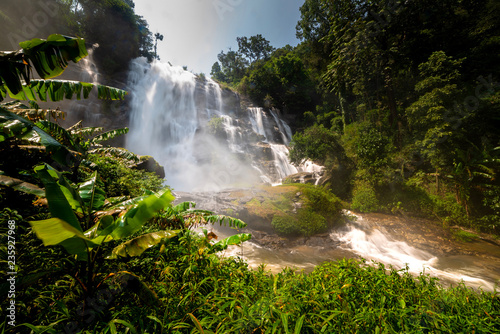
[258,207]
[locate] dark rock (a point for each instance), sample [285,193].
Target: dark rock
[302,177]
[149,164]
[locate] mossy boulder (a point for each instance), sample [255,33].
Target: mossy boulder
[149,164]
[288,210]
[291,210]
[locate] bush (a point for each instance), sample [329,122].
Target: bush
[320,210]
[121,180]
[286,225]
[364,198]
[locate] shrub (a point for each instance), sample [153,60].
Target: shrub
[286,225]
[320,211]
[121,180]
[364,198]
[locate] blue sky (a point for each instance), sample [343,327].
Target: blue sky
[195,31]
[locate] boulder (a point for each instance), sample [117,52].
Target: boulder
[149,164]
[301,177]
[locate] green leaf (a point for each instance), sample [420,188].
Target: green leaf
[196,323]
[50,57]
[137,246]
[236,239]
[124,323]
[109,135]
[226,220]
[140,213]
[299,324]
[58,90]
[55,231]
[117,152]
[91,194]
[20,185]
[12,125]
[60,195]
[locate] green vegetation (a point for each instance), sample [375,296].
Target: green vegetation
[392,106]
[383,98]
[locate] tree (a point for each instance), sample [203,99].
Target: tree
[216,73]
[255,47]
[233,65]
[158,36]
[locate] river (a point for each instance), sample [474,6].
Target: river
[395,241]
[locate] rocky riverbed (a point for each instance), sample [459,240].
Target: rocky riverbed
[391,239]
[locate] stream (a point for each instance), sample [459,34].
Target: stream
[391,240]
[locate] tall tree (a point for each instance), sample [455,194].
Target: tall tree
[255,47]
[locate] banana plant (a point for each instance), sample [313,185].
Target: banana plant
[184,217]
[50,58]
[76,226]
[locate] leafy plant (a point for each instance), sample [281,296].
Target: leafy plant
[364,198]
[49,58]
[76,226]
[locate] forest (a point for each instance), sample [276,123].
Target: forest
[399,100]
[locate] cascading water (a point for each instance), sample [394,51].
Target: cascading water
[203,142]
[363,237]
[88,110]
[376,244]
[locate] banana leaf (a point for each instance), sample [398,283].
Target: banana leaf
[117,152]
[50,57]
[92,196]
[62,198]
[20,185]
[109,135]
[140,213]
[236,239]
[60,134]
[13,125]
[137,246]
[226,220]
[57,90]
[55,231]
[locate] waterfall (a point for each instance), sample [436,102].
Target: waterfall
[199,132]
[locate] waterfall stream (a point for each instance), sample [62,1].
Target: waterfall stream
[364,237]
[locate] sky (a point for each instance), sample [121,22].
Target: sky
[196,31]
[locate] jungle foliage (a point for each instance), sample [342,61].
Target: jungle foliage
[98,254]
[415,111]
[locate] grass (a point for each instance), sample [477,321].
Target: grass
[202,293]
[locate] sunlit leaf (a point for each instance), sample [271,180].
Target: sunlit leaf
[55,231]
[140,213]
[61,196]
[137,246]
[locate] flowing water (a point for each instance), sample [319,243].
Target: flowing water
[369,237]
[207,142]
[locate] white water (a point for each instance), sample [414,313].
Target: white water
[171,117]
[361,239]
[379,246]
